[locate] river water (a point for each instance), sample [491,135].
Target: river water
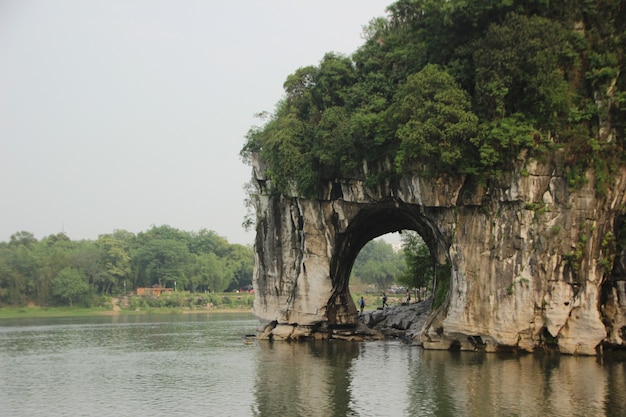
[202,365]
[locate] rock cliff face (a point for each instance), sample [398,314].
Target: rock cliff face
[532,262]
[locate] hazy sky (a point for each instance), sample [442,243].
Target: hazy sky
[123,114]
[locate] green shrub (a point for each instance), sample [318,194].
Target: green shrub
[443,285]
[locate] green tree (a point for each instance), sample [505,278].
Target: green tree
[161,261]
[86,258]
[299,92]
[214,274]
[419,262]
[520,66]
[70,286]
[436,124]
[23,238]
[115,263]
[207,241]
[52,254]
[240,261]
[16,271]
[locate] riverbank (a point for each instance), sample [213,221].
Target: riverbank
[39,312]
[174,303]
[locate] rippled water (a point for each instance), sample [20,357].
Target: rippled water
[202,365]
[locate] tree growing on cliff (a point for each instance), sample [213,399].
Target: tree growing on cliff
[434,121]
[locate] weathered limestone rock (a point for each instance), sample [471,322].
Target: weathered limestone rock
[404,321]
[531,261]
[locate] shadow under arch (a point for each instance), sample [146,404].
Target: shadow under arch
[370,223]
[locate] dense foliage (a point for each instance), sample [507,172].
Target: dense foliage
[58,271]
[459,87]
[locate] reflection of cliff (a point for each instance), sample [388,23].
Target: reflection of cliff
[489,385]
[530,258]
[337,378]
[616,399]
[309,376]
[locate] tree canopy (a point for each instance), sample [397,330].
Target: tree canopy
[451,86]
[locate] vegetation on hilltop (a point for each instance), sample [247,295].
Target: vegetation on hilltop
[458,87]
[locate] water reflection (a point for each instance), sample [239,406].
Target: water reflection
[309,379]
[453,384]
[393,379]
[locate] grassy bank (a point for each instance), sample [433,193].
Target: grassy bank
[39,312]
[35,312]
[175,303]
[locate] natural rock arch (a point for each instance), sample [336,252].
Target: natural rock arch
[371,221]
[526,256]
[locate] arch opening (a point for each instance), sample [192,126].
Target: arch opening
[392,264]
[374,222]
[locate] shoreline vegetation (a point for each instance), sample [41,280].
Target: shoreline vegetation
[176,303]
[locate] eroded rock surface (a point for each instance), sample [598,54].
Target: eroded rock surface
[531,260]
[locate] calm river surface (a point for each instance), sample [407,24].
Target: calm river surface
[200,365]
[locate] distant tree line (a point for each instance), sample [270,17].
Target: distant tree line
[58,271]
[378,264]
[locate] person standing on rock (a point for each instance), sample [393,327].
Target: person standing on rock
[408,296]
[361,304]
[385,301]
